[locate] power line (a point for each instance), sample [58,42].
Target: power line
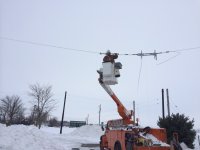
[185,49]
[141,54]
[178,53]
[139,75]
[48,45]
[176,108]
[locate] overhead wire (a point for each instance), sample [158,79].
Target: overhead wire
[185,49]
[140,70]
[97,52]
[48,45]
[176,108]
[178,53]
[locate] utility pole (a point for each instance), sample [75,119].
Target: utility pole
[100,114]
[87,118]
[134,111]
[61,125]
[163,104]
[168,105]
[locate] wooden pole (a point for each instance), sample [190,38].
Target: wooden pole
[134,111]
[168,105]
[163,104]
[61,125]
[100,114]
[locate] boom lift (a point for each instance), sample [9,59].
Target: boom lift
[124,134]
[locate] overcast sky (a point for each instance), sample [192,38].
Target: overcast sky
[121,26]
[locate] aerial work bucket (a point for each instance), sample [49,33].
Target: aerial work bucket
[110,71]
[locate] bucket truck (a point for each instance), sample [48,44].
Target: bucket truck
[124,134]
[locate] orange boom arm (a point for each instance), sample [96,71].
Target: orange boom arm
[123,112]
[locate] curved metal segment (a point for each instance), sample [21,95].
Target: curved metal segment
[123,112]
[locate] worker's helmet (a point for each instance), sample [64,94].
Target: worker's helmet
[108,52]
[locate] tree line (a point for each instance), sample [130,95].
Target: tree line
[12,110]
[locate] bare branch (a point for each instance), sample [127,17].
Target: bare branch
[42,99]
[11,108]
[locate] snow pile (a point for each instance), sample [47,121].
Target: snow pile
[56,130]
[91,134]
[155,140]
[20,137]
[184,146]
[88,131]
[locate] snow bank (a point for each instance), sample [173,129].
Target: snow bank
[184,146]
[20,137]
[154,139]
[88,131]
[90,134]
[56,130]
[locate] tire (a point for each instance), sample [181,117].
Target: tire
[117,146]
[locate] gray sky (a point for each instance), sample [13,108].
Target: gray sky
[121,26]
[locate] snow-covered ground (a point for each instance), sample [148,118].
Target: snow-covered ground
[20,137]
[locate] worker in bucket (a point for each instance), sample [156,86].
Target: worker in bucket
[110,57]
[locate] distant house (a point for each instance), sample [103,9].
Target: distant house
[66,123]
[74,124]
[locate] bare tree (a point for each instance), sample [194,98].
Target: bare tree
[53,122]
[12,109]
[43,103]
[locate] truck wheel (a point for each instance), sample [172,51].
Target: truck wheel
[117,146]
